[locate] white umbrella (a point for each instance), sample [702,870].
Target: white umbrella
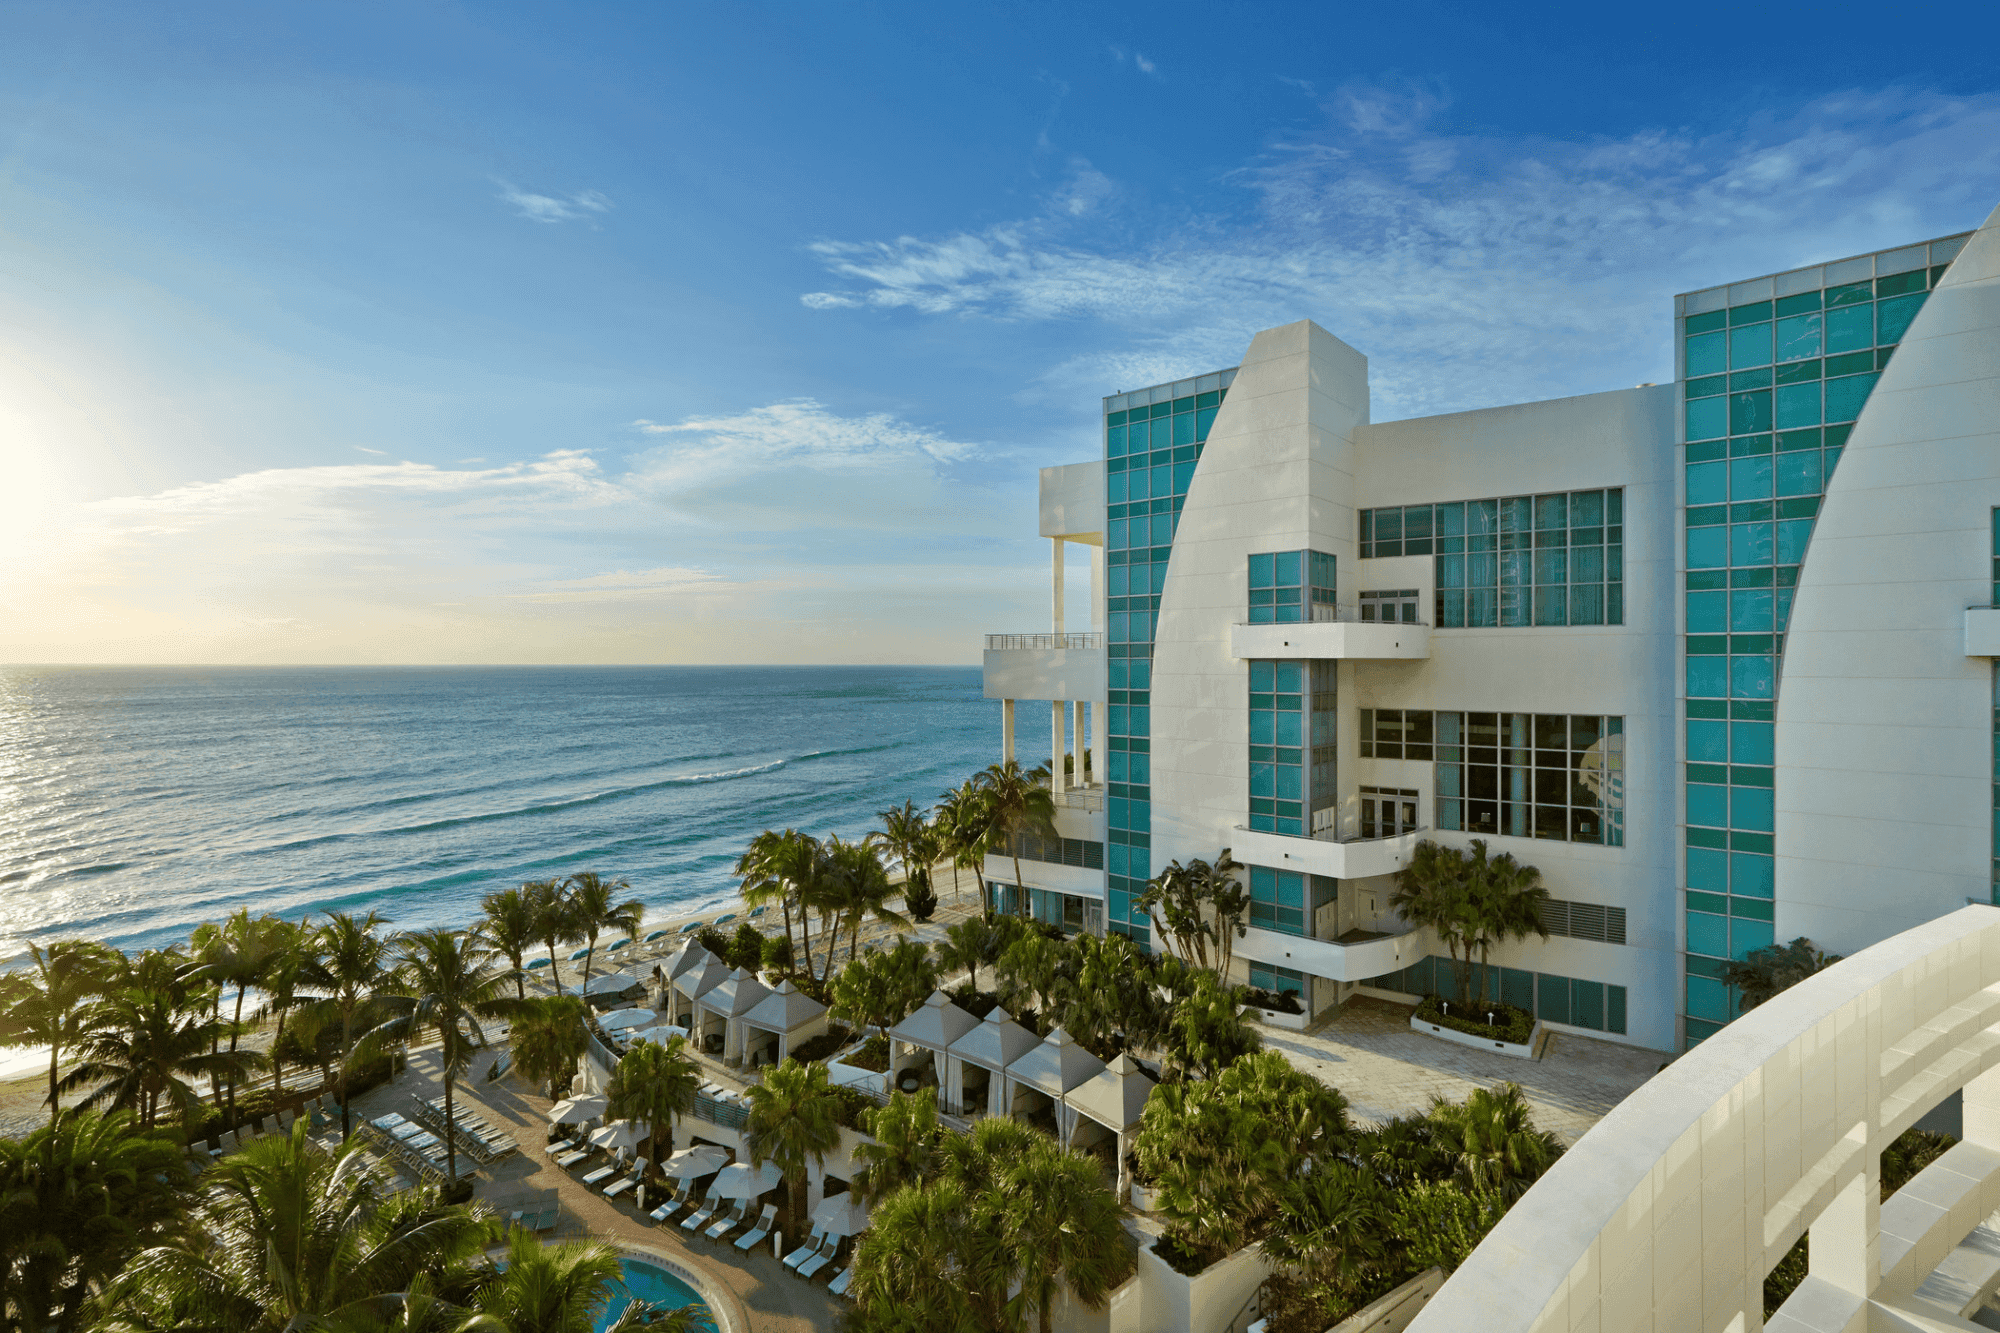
[617,1136]
[576,1110]
[662,1034]
[740,1180]
[626,1018]
[613,983]
[841,1215]
[701,1160]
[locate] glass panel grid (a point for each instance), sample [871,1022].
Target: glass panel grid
[1554,559]
[1519,775]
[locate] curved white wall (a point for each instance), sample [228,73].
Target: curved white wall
[1884,749]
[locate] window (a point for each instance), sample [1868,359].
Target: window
[1278,900]
[1519,775]
[1290,586]
[1277,747]
[1596,1005]
[1058,851]
[1584,921]
[1387,812]
[1399,607]
[1277,980]
[1554,559]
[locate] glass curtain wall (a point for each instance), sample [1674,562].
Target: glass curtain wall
[1774,373]
[1152,441]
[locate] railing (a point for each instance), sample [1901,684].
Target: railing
[729,1114]
[1327,612]
[1016,643]
[1081,798]
[1333,835]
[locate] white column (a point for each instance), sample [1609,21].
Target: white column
[1057,783]
[1056,585]
[1006,731]
[1076,747]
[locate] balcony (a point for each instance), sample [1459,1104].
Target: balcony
[1045,666]
[1357,955]
[1333,632]
[1352,858]
[1982,631]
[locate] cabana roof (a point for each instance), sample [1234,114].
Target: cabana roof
[936,1024]
[995,1043]
[1056,1066]
[1116,1098]
[736,994]
[697,982]
[786,1009]
[684,959]
[614,983]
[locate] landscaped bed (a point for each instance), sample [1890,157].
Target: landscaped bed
[1510,1024]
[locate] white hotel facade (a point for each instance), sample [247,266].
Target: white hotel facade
[1716,656]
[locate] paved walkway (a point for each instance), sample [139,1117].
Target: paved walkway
[1368,1051]
[763,1296]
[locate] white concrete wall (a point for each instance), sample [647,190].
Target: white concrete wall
[1045,673]
[1884,743]
[1072,501]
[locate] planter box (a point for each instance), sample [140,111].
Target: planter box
[1146,1200]
[1520,1051]
[1392,1313]
[1278,1018]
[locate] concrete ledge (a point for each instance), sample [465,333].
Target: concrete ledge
[1519,1050]
[1982,631]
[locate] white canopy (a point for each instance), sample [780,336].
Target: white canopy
[735,995]
[684,959]
[614,983]
[626,1018]
[697,982]
[618,1136]
[995,1043]
[841,1215]
[576,1110]
[740,1180]
[937,1024]
[701,1160]
[1115,1098]
[786,1009]
[1055,1066]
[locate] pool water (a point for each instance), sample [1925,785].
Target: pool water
[646,1282]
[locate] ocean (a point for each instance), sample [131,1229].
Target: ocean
[136,803]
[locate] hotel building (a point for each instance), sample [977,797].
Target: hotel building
[1715,656]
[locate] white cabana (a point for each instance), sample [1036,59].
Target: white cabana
[607,990]
[841,1215]
[576,1110]
[619,1019]
[1115,1099]
[724,1006]
[932,1029]
[688,988]
[779,1021]
[985,1052]
[704,1159]
[740,1180]
[684,959]
[1052,1069]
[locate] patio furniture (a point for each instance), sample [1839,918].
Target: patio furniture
[679,1199]
[838,1286]
[754,1237]
[571,1158]
[699,1218]
[618,1187]
[815,1262]
[807,1250]
[602,1173]
[738,1214]
[548,1220]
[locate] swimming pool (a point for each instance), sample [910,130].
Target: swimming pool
[646,1282]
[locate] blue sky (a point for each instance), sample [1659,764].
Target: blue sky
[471,333]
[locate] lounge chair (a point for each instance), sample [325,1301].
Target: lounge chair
[722,1226]
[754,1237]
[601,1174]
[679,1199]
[574,1156]
[699,1218]
[618,1187]
[807,1250]
[838,1286]
[814,1263]
[548,1220]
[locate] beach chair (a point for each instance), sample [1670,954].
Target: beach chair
[600,1175]
[678,1199]
[618,1187]
[699,1218]
[738,1214]
[815,1262]
[548,1220]
[807,1250]
[838,1286]
[754,1237]
[575,1156]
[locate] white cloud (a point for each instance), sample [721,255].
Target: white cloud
[366,450]
[555,208]
[1471,269]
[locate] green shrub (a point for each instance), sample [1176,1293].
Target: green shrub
[820,1047]
[1510,1024]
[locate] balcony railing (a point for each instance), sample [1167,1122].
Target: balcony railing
[1328,612]
[1019,643]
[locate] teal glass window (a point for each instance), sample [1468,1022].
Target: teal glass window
[1798,338]
[1708,419]
[1893,316]
[1749,413]
[1278,900]
[1845,396]
[1797,405]
[1850,328]
[1555,559]
[1707,483]
[1707,354]
[1750,345]
[1286,587]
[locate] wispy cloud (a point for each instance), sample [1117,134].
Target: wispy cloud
[362,448]
[1472,269]
[555,208]
[1138,58]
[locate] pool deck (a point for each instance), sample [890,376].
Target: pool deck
[759,1295]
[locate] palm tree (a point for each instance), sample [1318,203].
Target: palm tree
[147,1044]
[908,1272]
[51,1005]
[289,965]
[1431,891]
[548,1037]
[965,823]
[854,884]
[592,899]
[968,945]
[513,923]
[1022,807]
[911,840]
[288,1236]
[245,947]
[1231,902]
[769,869]
[1508,900]
[444,983]
[1775,967]
[555,920]
[347,968]
[1492,1133]
[902,1148]
[551,1288]
[652,1085]
[1029,968]
[1177,896]
[78,1197]
[794,1119]
[1068,1230]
